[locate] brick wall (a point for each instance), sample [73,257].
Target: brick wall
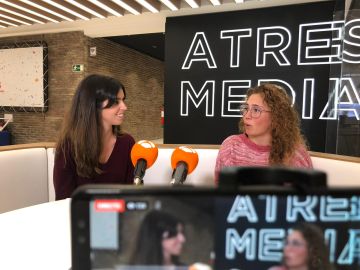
[142,76]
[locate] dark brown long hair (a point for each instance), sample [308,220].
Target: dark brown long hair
[148,248]
[82,129]
[285,123]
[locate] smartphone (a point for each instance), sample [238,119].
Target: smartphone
[122,227]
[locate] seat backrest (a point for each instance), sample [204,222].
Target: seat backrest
[23,178]
[160,173]
[50,161]
[339,173]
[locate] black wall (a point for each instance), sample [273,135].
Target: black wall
[204,75]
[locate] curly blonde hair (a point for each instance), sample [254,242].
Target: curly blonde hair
[285,123]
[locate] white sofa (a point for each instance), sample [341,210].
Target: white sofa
[26,172]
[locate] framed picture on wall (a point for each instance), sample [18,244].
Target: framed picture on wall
[23,77]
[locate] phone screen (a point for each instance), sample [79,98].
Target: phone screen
[208,229]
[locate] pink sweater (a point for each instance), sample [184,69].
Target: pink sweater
[239,150]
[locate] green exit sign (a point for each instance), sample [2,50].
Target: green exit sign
[78,68]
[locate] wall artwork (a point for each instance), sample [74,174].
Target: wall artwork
[23,77]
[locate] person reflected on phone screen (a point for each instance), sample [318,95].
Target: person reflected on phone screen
[160,242]
[305,249]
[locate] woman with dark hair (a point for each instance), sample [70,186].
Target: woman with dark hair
[160,240]
[91,149]
[305,249]
[271,134]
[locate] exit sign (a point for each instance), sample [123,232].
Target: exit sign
[78,68]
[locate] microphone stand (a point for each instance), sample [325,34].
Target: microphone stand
[179,174]
[140,172]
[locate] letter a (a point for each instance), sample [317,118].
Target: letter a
[199,51]
[242,207]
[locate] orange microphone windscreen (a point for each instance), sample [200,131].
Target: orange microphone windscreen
[144,150]
[186,154]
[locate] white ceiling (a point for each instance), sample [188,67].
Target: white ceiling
[111,25]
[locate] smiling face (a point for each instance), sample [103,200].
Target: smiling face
[296,251]
[114,115]
[258,129]
[172,246]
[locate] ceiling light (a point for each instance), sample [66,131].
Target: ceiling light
[215,2]
[8,23]
[128,7]
[170,4]
[105,7]
[51,2]
[21,15]
[46,9]
[89,10]
[193,3]
[29,11]
[13,19]
[239,1]
[148,5]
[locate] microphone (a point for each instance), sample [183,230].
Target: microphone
[143,155]
[184,160]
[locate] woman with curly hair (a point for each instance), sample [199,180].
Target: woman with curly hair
[271,133]
[305,249]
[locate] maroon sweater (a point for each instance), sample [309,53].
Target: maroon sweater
[117,170]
